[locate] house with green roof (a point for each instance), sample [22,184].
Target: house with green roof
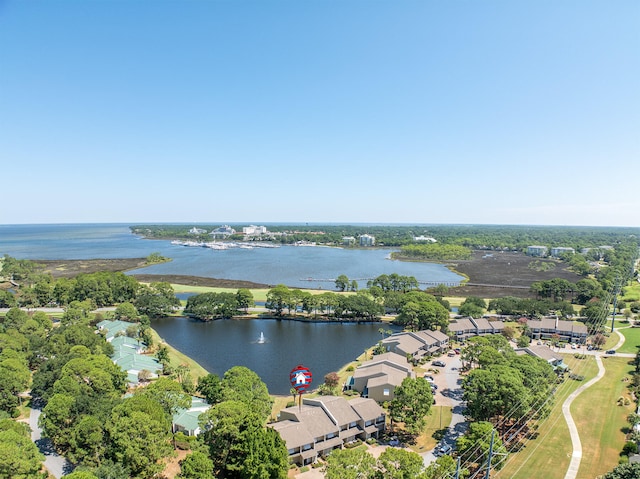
[114,328]
[187,420]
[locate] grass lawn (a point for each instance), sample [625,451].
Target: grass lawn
[24,407]
[612,340]
[437,422]
[258,294]
[600,421]
[631,340]
[632,292]
[550,453]
[177,358]
[455,301]
[279,403]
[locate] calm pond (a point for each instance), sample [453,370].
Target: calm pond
[222,344]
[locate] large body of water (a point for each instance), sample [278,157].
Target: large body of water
[219,345]
[288,265]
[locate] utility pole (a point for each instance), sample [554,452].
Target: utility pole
[490,455]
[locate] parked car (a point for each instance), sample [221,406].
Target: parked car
[457,350]
[429,378]
[443,449]
[440,364]
[433,387]
[611,351]
[451,353]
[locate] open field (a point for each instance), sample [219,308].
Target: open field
[550,453]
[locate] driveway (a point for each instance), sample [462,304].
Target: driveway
[449,393]
[57,465]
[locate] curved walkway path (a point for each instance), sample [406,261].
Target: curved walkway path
[576,456]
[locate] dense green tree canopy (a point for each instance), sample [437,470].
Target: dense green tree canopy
[472,306]
[396,463]
[473,447]
[350,464]
[19,456]
[239,444]
[213,305]
[196,465]
[169,394]
[156,300]
[624,471]
[411,403]
[242,384]
[139,434]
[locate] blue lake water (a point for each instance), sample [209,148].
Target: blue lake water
[288,265]
[219,345]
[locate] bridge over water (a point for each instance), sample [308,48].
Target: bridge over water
[426,283]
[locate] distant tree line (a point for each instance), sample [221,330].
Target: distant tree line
[491,237]
[36,289]
[208,306]
[434,252]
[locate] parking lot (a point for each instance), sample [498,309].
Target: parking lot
[446,378]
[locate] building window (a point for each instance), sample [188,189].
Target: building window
[385,392]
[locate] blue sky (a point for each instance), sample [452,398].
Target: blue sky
[492,112]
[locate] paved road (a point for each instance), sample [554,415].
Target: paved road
[449,393]
[55,464]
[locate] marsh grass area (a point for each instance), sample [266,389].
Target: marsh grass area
[491,274]
[494,274]
[70,268]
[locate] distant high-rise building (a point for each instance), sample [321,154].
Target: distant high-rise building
[537,250]
[560,250]
[253,230]
[367,240]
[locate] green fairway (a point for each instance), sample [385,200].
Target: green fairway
[550,453]
[600,420]
[631,340]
